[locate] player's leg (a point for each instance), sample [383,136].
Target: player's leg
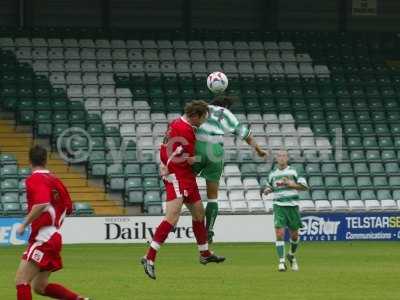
[211,208]
[172,214]
[294,226]
[294,242]
[197,210]
[212,173]
[41,286]
[26,271]
[280,224]
[173,210]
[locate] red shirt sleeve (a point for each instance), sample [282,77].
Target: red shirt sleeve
[39,192]
[182,135]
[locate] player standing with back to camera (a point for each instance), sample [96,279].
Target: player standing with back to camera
[48,204]
[210,150]
[284,182]
[177,156]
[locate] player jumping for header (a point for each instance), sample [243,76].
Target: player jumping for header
[48,203]
[284,182]
[210,150]
[177,156]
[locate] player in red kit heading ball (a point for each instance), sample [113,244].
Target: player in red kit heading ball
[48,204]
[177,155]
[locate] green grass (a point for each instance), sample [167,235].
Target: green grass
[337,271]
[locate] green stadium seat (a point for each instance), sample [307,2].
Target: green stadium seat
[357,155]
[394,181]
[83,209]
[316,182]
[329,168]
[370,142]
[332,182]
[348,182]
[11,209]
[132,170]
[149,170]
[133,183]
[345,168]
[360,169]
[351,195]
[364,182]
[335,195]
[388,155]
[24,172]
[9,171]
[368,195]
[384,195]
[385,142]
[248,169]
[377,169]
[380,182]
[319,195]
[151,183]
[7,159]
[135,197]
[391,168]
[372,155]
[354,142]
[152,196]
[313,169]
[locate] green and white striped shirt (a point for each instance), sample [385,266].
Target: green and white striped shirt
[283,195]
[220,121]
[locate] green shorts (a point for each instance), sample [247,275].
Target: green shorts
[211,161]
[287,216]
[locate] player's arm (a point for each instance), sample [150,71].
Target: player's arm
[36,211]
[299,183]
[268,187]
[252,143]
[231,124]
[180,147]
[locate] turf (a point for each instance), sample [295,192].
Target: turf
[337,271]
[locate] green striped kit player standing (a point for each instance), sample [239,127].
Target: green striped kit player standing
[210,151]
[284,183]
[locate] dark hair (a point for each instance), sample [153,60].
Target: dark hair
[196,107]
[38,156]
[224,101]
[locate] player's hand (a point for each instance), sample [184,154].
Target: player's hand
[163,170]
[267,191]
[261,153]
[191,160]
[289,183]
[21,229]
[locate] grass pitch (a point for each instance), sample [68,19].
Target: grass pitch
[337,271]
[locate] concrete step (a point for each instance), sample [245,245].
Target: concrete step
[72,182]
[94,203]
[91,196]
[109,211]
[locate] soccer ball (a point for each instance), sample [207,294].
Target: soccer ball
[217,82]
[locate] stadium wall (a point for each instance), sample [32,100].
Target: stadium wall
[380,226]
[268,15]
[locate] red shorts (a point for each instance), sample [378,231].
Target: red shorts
[186,189]
[46,255]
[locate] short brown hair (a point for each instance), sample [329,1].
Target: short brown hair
[224,101]
[38,156]
[196,107]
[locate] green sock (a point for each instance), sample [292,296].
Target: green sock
[211,214]
[293,246]
[280,249]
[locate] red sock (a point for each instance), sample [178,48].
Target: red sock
[159,238]
[57,291]
[200,232]
[24,292]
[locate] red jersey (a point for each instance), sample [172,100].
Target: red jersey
[44,188]
[179,144]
